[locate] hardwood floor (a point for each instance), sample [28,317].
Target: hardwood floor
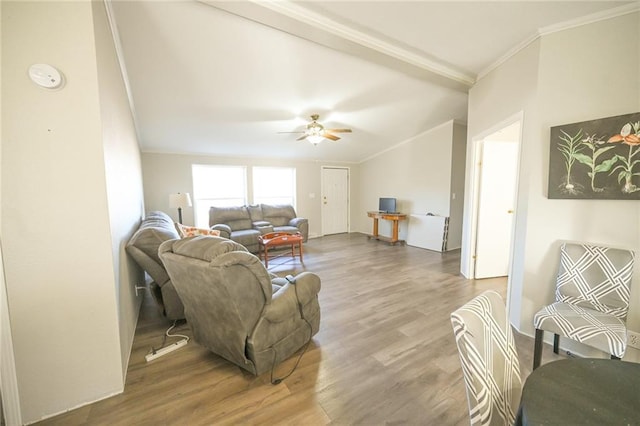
[385,353]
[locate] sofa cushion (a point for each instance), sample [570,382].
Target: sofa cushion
[235,217]
[286,228]
[278,215]
[247,237]
[255,212]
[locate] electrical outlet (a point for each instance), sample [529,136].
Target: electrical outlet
[633,339]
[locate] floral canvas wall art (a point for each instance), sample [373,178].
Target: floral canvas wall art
[597,159]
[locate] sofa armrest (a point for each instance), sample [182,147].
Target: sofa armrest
[283,304]
[225,230]
[297,221]
[303,226]
[284,301]
[308,285]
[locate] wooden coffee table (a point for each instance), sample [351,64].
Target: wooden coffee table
[278,239]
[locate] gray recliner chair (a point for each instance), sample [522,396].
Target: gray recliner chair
[156,228]
[235,307]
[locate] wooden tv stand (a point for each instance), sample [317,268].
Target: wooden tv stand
[395,218]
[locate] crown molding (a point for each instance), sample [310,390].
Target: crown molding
[291,10]
[510,53]
[573,23]
[411,139]
[590,19]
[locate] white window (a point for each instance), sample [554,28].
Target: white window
[219,186]
[274,185]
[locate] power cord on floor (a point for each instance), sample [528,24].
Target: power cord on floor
[279,380]
[168,334]
[175,324]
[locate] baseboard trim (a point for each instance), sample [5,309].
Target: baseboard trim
[48,416]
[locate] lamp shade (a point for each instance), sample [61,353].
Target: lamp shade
[179,200]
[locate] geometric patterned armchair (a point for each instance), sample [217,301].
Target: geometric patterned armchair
[489,360]
[592,300]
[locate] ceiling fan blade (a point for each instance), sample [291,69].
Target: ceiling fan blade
[330,136]
[302,137]
[339,130]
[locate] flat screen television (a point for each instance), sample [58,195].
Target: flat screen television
[387,205]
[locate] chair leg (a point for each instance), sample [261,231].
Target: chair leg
[556,343]
[537,349]
[615,357]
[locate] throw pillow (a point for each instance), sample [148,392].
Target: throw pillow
[192,231]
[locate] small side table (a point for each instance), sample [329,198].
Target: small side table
[394,218]
[277,239]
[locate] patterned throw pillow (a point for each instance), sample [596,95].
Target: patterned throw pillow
[192,231]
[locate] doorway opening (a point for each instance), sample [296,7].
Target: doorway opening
[492,214]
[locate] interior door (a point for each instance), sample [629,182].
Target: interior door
[498,178]
[335,200]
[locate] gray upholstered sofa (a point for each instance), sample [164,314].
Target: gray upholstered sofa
[156,228]
[244,224]
[235,307]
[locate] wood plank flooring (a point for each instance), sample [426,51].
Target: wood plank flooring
[385,353]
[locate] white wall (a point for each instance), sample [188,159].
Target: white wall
[418,173]
[10,401]
[164,174]
[562,78]
[567,94]
[62,221]
[123,173]
[458,157]
[505,91]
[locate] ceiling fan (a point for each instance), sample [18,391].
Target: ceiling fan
[315,132]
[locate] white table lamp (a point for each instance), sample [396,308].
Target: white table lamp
[179,201]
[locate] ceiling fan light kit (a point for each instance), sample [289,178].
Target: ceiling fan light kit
[316,133]
[315,139]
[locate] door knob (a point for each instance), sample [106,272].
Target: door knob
[510,211]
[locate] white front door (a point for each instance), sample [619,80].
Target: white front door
[335,200]
[496,204]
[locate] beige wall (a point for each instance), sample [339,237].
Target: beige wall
[506,91]
[562,78]
[62,223]
[10,404]
[123,173]
[459,153]
[570,93]
[418,173]
[164,174]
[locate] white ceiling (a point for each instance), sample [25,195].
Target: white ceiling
[223,78]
